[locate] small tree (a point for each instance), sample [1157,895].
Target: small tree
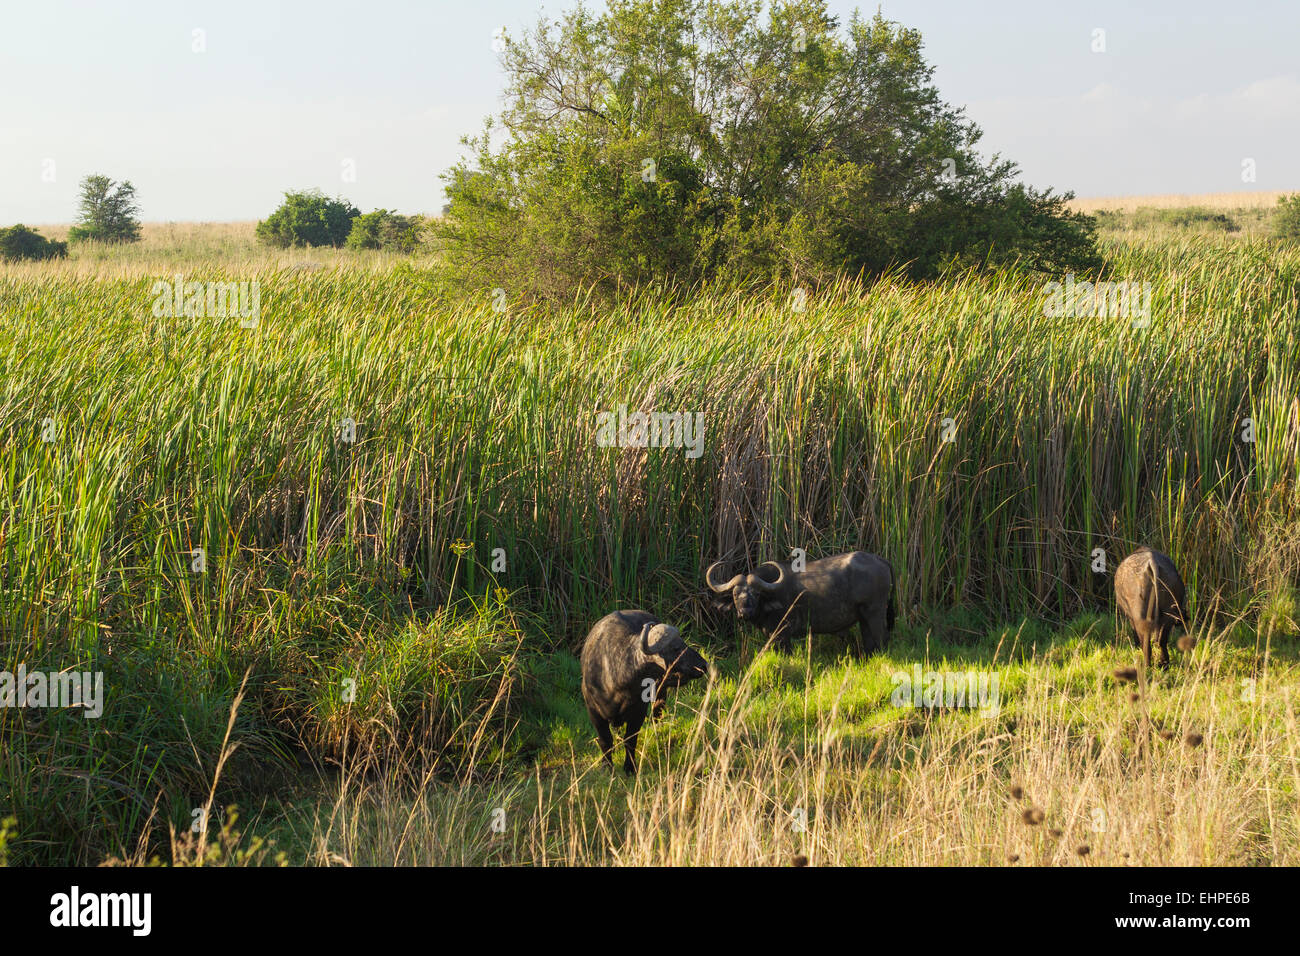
[1286,217]
[19,242]
[108,212]
[308,218]
[383,229]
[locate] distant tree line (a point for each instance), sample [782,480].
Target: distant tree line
[107,213]
[309,218]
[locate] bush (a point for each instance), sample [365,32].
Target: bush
[19,242]
[308,218]
[382,229]
[1185,217]
[1286,218]
[108,212]
[634,154]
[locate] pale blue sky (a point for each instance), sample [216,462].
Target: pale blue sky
[286,92]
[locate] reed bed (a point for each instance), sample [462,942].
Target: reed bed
[362,461]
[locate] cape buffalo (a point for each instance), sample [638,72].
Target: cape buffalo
[829,596]
[1151,594]
[628,661]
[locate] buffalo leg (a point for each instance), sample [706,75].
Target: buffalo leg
[606,738]
[878,622]
[1144,642]
[1164,643]
[864,635]
[861,636]
[874,632]
[629,744]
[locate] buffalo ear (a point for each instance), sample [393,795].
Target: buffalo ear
[658,639]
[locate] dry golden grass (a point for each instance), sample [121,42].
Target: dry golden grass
[195,247]
[155,232]
[1217,201]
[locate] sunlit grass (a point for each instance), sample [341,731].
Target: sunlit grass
[1189,772]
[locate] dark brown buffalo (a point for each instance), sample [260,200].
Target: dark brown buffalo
[830,596]
[628,661]
[1150,593]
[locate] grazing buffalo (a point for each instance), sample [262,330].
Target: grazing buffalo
[1150,593]
[829,596]
[628,661]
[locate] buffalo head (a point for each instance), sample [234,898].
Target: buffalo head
[663,643]
[748,591]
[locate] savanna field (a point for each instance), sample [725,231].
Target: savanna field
[407,527]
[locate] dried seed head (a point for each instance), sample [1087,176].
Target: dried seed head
[1013,857]
[1186,643]
[1017,792]
[1083,849]
[799,860]
[1134,698]
[1126,675]
[1033,816]
[1193,739]
[1055,833]
[1166,734]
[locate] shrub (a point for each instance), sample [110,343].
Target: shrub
[1286,218]
[308,218]
[1185,217]
[108,212]
[382,229]
[635,153]
[19,242]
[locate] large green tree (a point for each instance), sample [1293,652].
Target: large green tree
[691,139]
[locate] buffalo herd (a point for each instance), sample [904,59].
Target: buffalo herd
[630,658]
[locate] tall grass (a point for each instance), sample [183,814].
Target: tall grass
[475,431]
